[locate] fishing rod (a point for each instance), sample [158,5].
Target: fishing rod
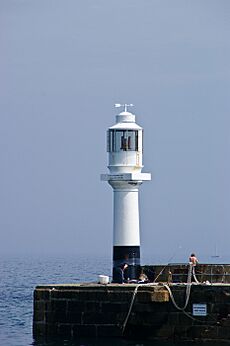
[169,260]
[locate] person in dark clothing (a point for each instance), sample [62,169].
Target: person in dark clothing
[118,274]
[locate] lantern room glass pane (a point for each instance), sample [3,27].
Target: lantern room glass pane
[122,140]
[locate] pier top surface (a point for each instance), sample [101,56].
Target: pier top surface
[130,286]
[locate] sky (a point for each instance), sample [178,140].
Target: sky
[63,66]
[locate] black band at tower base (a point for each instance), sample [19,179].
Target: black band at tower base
[129,255]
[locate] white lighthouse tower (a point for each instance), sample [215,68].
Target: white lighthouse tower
[125,149]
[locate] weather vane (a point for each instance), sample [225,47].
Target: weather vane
[125,105]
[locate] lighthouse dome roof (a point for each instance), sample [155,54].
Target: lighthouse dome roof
[125,120]
[125,117]
[126,113]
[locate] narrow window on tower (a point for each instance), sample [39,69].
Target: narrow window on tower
[108,141]
[123,141]
[136,141]
[129,142]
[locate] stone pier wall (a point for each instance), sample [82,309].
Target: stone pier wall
[88,309]
[214,273]
[96,310]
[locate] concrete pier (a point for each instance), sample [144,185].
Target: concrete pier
[150,311]
[214,273]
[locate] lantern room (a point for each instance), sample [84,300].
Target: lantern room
[124,145]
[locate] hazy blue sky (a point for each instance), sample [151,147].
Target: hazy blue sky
[63,64]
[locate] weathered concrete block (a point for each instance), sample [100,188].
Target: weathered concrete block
[64,329]
[185,320]
[39,329]
[101,318]
[143,297]
[60,293]
[180,331]
[41,294]
[160,296]
[203,332]
[84,331]
[159,307]
[125,296]
[222,309]
[165,332]
[145,307]
[55,317]
[109,331]
[114,307]
[93,306]
[210,294]
[225,322]
[58,305]
[51,329]
[224,332]
[73,317]
[39,311]
[174,318]
[148,319]
[75,305]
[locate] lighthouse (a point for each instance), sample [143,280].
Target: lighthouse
[125,151]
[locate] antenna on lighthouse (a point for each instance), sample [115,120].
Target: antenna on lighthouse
[125,105]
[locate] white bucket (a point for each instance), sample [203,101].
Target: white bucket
[103,279]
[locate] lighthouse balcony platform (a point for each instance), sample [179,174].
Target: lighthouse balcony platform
[127,176]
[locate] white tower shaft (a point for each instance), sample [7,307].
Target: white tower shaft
[124,146]
[125,215]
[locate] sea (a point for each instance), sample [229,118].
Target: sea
[18,277]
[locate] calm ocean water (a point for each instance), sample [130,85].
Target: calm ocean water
[19,276]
